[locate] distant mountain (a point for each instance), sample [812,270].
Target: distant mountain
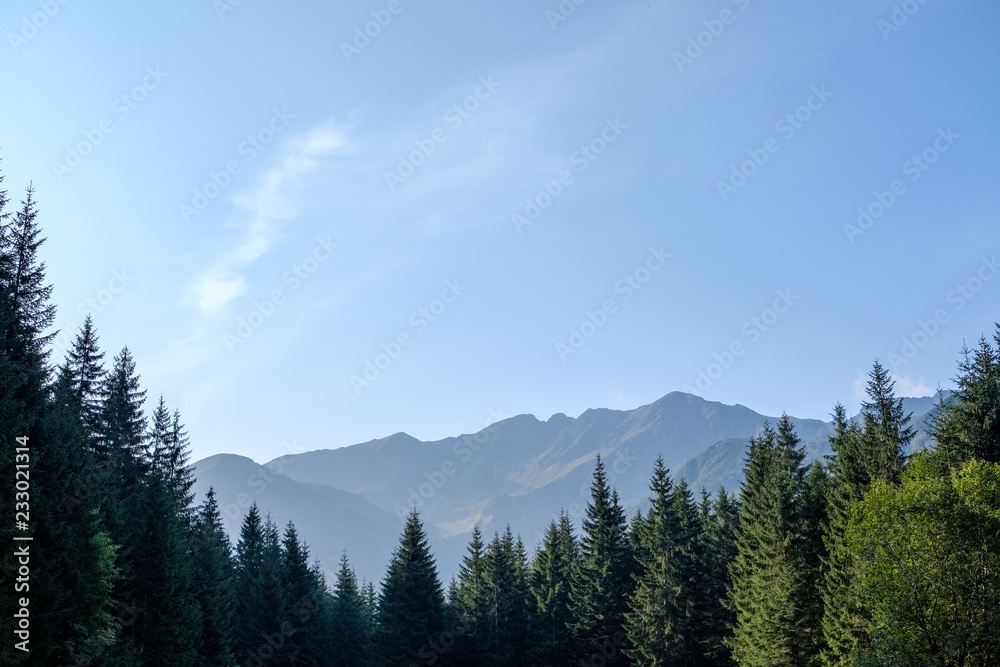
[721,465]
[518,471]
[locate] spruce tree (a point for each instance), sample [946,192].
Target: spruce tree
[602,583]
[212,560]
[716,621]
[506,630]
[550,578]
[71,595]
[657,629]
[769,572]
[470,604]
[301,600]
[254,621]
[968,426]
[411,611]
[349,620]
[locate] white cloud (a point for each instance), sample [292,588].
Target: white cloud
[905,386]
[264,208]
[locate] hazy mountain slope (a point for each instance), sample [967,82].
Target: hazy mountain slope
[329,519]
[722,463]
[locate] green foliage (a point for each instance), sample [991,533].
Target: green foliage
[550,578]
[411,612]
[211,554]
[969,425]
[602,582]
[929,562]
[349,620]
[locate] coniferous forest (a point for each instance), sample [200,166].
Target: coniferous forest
[873,556]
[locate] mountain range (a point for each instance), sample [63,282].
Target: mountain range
[518,471]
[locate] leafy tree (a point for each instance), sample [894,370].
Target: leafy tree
[411,612]
[929,555]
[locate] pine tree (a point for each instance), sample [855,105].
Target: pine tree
[470,603]
[719,551]
[861,456]
[301,600]
[84,364]
[550,585]
[169,630]
[656,627]
[769,572]
[411,611]
[255,588]
[968,427]
[168,453]
[212,559]
[602,583]
[349,620]
[71,595]
[506,629]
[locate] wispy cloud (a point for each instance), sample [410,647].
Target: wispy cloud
[263,209]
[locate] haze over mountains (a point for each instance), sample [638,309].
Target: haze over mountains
[519,471]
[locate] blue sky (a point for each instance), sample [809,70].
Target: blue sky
[493,210]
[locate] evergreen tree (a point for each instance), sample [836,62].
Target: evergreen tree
[301,600]
[349,620]
[602,583]
[506,629]
[211,554]
[168,453]
[550,586]
[168,631]
[968,427]
[256,593]
[719,551]
[657,629]
[72,604]
[862,455]
[470,604]
[84,363]
[411,611]
[769,573]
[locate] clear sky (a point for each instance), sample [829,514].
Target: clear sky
[521,206]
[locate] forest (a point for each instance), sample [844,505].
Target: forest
[872,556]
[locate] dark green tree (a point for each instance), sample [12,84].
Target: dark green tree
[349,620]
[716,619]
[602,583]
[968,426]
[212,558]
[550,578]
[411,610]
